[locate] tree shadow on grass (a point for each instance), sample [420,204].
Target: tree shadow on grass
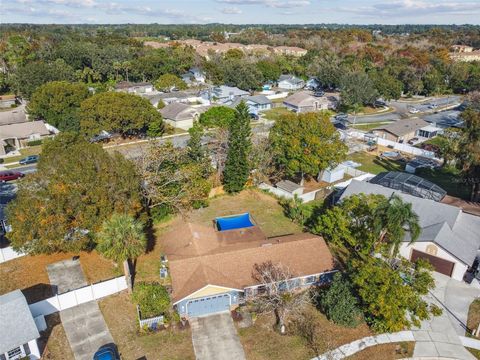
[388,165]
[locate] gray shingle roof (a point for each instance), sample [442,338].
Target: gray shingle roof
[404,127]
[448,226]
[23,130]
[18,326]
[292,79]
[288,186]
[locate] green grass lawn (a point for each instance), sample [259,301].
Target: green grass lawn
[446,178]
[31,150]
[374,164]
[370,126]
[265,210]
[276,113]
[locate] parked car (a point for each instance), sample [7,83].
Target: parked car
[107,352]
[104,136]
[10,175]
[432,106]
[413,141]
[254,116]
[319,93]
[341,117]
[414,111]
[379,103]
[340,125]
[32,159]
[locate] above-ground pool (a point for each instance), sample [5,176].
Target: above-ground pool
[234,222]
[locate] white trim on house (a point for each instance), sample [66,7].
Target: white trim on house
[202,288]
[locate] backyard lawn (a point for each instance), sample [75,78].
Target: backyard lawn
[261,342]
[264,209]
[374,164]
[446,178]
[53,342]
[29,273]
[473,322]
[121,318]
[370,126]
[275,113]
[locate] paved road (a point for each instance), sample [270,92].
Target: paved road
[215,338]
[84,325]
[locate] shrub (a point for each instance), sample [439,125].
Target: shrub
[152,299]
[161,213]
[35,142]
[155,128]
[160,104]
[339,304]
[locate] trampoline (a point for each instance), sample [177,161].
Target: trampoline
[234,222]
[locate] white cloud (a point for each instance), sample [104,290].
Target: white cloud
[284,4]
[414,8]
[232,10]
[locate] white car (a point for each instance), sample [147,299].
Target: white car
[414,111]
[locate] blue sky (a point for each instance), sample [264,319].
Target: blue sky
[242,11]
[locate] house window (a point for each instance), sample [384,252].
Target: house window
[14,353]
[261,289]
[310,279]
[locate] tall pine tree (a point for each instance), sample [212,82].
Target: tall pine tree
[237,167]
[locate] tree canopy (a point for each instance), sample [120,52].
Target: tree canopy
[237,165]
[357,89]
[169,82]
[76,188]
[58,103]
[117,112]
[217,116]
[306,143]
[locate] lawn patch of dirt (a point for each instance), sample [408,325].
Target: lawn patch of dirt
[29,273]
[261,342]
[474,315]
[385,352]
[53,342]
[121,318]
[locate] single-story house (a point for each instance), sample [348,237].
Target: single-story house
[19,331]
[211,267]
[7,101]
[302,102]
[449,238]
[181,115]
[186,97]
[13,116]
[429,131]
[16,136]
[290,82]
[402,130]
[194,76]
[224,94]
[255,103]
[134,88]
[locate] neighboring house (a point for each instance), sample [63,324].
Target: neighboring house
[181,115]
[449,238]
[17,136]
[134,88]
[289,188]
[461,49]
[255,103]
[402,130]
[290,82]
[185,97]
[194,76]
[302,101]
[13,116]
[224,94]
[7,101]
[211,270]
[429,131]
[290,51]
[19,331]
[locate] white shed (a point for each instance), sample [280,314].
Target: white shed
[332,175]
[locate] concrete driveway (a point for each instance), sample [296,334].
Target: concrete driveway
[439,336]
[215,338]
[84,325]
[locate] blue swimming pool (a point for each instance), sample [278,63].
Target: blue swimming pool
[234,222]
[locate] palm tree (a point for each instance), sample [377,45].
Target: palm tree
[122,239]
[392,219]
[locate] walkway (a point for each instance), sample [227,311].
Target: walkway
[84,325]
[215,337]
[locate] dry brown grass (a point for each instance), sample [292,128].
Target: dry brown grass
[385,352]
[29,273]
[54,341]
[120,316]
[261,342]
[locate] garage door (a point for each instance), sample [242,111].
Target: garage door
[208,305]
[440,265]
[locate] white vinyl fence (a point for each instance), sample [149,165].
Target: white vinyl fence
[306,197]
[8,253]
[396,146]
[78,296]
[152,323]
